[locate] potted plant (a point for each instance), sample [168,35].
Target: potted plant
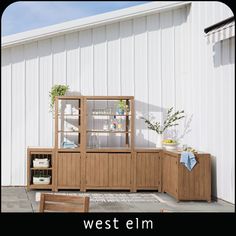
[122,107]
[171,120]
[57,90]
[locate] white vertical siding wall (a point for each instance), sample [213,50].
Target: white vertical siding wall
[162,59]
[210,98]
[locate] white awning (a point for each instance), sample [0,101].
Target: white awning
[220,33]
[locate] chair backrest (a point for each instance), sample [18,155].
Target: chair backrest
[63,203]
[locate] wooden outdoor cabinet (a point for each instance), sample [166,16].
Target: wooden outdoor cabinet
[96,170]
[119,170]
[34,153]
[94,149]
[183,184]
[108,171]
[68,170]
[148,172]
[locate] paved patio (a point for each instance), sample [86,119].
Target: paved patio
[17,199]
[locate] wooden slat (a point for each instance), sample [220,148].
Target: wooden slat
[62,207]
[63,198]
[42,202]
[97,169]
[147,170]
[63,203]
[119,170]
[69,170]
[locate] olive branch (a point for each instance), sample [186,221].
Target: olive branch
[170,121]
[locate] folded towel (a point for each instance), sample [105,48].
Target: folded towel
[188,159]
[68,145]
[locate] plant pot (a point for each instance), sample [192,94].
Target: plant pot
[41,180]
[120,111]
[159,140]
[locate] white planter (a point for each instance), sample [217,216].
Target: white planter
[159,140]
[41,163]
[41,180]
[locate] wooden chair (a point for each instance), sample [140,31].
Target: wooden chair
[63,203]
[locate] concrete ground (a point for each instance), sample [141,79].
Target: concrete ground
[17,199]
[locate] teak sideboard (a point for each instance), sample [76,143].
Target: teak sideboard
[122,167]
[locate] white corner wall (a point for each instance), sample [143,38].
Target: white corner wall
[162,59]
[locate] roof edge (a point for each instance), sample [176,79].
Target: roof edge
[89,22]
[219,24]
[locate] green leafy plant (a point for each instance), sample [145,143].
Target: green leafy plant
[122,105]
[57,90]
[171,120]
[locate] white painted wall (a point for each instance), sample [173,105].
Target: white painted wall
[162,59]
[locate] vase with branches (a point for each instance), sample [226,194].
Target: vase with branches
[170,121]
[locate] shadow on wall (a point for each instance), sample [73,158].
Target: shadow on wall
[213,176]
[141,110]
[223,52]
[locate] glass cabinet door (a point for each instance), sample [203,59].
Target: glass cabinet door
[107,126]
[69,116]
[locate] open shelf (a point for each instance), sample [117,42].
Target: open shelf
[41,168]
[108,115]
[40,186]
[108,131]
[108,149]
[68,115]
[68,131]
[68,149]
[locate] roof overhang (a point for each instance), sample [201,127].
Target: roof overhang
[221,30]
[90,22]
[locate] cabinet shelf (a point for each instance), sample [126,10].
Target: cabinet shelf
[68,131]
[108,149]
[68,149]
[108,115]
[40,186]
[68,115]
[41,168]
[108,131]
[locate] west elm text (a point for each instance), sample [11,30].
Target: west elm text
[114,224]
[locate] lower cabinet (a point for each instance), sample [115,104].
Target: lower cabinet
[96,170]
[119,170]
[68,170]
[183,184]
[108,171]
[148,170]
[170,175]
